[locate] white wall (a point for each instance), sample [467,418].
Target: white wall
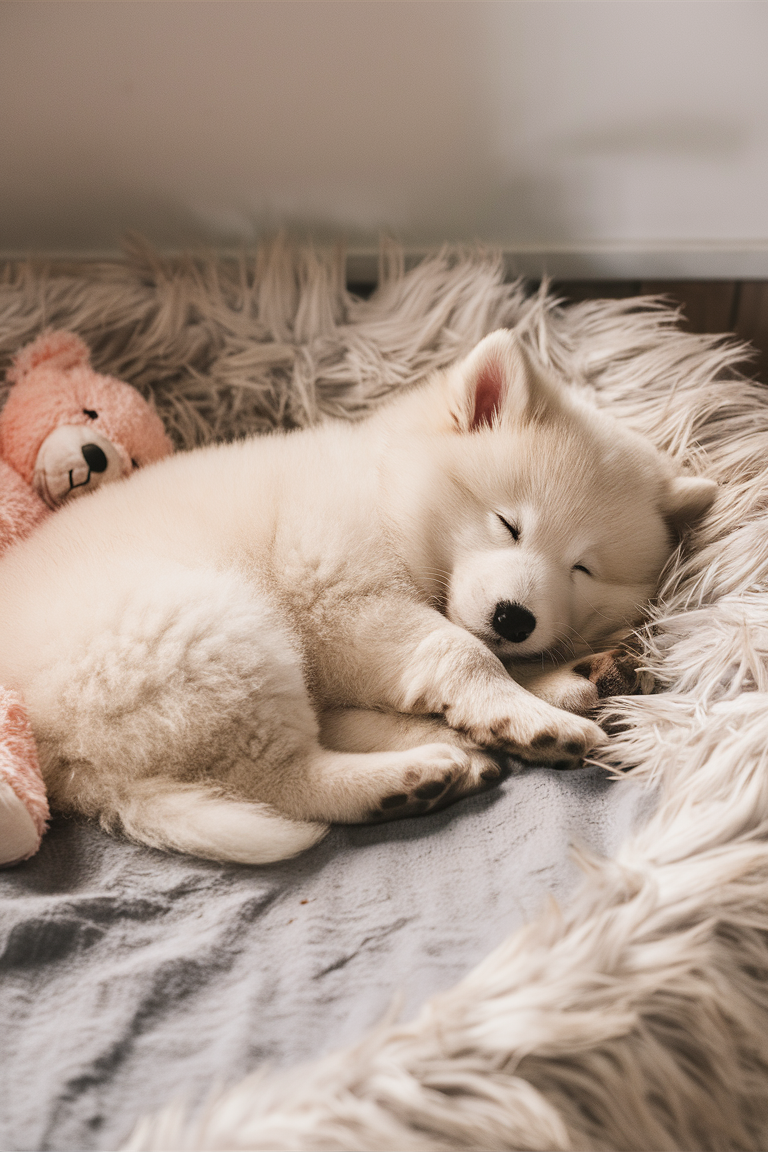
[593,138]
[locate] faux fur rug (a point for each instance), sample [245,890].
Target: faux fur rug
[227,348]
[636,1018]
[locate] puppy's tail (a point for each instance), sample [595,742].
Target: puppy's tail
[203,822]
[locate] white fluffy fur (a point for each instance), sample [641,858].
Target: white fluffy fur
[203,617]
[637,1018]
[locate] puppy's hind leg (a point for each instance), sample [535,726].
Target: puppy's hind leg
[175,716]
[352,788]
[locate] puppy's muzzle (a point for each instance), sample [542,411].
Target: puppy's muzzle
[513,622]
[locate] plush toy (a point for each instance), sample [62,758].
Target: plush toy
[64,431]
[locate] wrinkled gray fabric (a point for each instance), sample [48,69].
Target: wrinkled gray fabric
[128,977]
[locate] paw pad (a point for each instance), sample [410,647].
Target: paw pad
[613,673]
[430,791]
[395,801]
[544,740]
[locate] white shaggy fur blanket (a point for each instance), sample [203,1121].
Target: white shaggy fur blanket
[637,1017]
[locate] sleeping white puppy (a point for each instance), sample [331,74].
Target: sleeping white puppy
[243,643]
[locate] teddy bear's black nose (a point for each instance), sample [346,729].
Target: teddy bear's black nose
[94,457]
[513,622]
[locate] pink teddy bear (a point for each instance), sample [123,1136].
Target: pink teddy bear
[64,431]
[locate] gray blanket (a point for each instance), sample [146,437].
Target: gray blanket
[129,977]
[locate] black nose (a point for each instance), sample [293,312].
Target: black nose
[513,622]
[94,457]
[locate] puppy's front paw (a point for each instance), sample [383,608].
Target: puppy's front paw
[614,673]
[560,687]
[537,732]
[561,743]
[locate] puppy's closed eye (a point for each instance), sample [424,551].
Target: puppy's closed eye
[512,528]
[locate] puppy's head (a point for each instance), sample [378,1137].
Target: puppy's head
[549,522]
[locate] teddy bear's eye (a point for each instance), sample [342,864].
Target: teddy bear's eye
[134,462]
[89,412]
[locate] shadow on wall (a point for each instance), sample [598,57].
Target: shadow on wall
[97,225]
[515,124]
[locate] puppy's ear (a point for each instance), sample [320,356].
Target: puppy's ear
[688,498]
[497,381]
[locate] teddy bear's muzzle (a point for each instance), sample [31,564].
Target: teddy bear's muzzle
[73,460]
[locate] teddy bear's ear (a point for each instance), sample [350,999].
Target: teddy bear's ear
[60,350]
